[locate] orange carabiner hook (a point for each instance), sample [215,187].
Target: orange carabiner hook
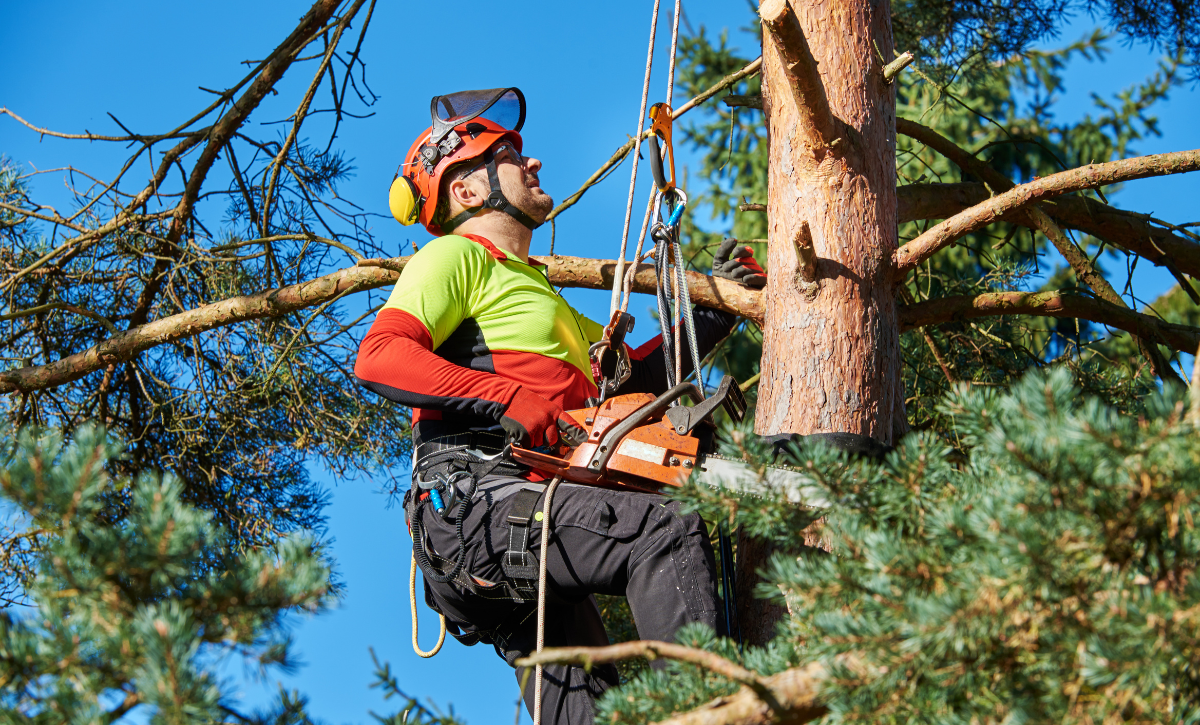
[661,115]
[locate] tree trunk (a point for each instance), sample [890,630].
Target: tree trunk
[831,344]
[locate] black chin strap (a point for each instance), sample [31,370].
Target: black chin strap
[495,200]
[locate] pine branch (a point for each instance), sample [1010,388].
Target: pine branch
[1091,176]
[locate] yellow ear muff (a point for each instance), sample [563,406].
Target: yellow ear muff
[404,201]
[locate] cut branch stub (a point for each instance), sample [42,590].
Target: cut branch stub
[754,101]
[800,68]
[891,70]
[806,262]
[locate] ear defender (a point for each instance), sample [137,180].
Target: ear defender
[404,200]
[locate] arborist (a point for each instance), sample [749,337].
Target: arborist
[487,354]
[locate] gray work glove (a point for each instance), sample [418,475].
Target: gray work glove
[737,262]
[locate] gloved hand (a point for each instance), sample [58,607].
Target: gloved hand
[738,264]
[532,421]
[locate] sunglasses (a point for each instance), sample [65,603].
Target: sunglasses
[498,154]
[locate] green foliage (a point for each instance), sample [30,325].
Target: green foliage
[236,414]
[132,615]
[679,686]
[1041,570]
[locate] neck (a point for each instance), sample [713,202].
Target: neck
[502,230]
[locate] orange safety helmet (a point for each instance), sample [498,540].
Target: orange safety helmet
[466,125]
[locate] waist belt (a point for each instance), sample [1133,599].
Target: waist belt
[484,442]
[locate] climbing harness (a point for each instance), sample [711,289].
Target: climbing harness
[436,481]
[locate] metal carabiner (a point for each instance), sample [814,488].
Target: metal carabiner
[661,115]
[679,202]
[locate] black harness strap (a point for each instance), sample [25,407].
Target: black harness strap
[518,563]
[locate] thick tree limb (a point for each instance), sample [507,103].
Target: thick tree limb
[795,690]
[1085,177]
[566,272]
[1049,304]
[1085,270]
[722,294]
[369,274]
[800,67]
[1124,229]
[127,345]
[788,697]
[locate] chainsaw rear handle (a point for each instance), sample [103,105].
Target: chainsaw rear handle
[612,438]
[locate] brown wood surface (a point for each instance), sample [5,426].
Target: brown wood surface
[832,364]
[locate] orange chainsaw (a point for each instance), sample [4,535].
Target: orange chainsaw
[639,441]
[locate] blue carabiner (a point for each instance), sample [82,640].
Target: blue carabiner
[676,214]
[436,497]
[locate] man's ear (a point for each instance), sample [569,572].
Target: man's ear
[466,192]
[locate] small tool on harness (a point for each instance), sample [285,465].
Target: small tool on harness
[610,357]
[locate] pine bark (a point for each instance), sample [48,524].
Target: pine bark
[831,356]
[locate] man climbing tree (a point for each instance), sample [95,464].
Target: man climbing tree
[475,339]
[134,288]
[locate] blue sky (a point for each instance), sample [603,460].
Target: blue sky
[580,66]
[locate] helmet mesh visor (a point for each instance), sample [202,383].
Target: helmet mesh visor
[503,106]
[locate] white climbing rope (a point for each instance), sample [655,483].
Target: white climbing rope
[412,603]
[541,608]
[622,284]
[637,152]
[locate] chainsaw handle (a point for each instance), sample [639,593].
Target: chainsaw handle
[608,444]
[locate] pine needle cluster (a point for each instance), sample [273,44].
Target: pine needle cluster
[1038,567]
[136,614]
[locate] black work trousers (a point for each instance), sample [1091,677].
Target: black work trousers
[624,543]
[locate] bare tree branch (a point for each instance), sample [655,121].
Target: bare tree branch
[795,690]
[369,274]
[1049,304]
[1033,215]
[800,67]
[219,135]
[1125,229]
[301,114]
[651,649]
[620,154]
[1092,176]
